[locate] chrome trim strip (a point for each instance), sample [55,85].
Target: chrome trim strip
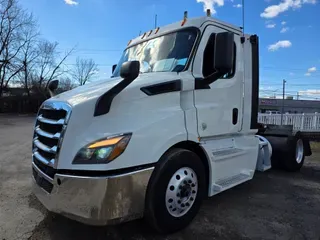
[43,160]
[46,134]
[53,105]
[42,173]
[49,121]
[44,147]
[106,176]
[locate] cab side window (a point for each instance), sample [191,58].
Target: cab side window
[208,59]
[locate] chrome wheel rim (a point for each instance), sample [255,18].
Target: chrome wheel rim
[181,192]
[299,151]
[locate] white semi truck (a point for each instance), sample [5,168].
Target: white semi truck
[177,122]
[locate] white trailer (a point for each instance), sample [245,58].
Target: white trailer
[176,123]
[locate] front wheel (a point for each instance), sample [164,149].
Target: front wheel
[175,191]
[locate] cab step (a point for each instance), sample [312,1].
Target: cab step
[230,182]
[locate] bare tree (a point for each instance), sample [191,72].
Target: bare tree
[28,56]
[65,84]
[50,62]
[14,22]
[24,58]
[84,70]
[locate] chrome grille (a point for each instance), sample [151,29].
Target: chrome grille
[49,130]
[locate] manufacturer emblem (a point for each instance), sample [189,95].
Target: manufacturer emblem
[203,126]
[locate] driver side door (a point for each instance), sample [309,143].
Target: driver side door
[219,107]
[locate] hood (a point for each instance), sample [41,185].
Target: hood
[87,91]
[95,89]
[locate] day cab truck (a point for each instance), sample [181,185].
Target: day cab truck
[176,122]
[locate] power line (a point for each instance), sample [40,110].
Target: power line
[297,69]
[98,64]
[93,50]
[292,84]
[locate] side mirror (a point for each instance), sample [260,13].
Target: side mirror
[53,86]
[224,52]
[130,70]
[114,67]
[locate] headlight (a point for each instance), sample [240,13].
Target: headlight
[103,150]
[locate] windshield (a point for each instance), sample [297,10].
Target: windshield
[168,53]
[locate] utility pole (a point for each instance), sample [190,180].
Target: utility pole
[283,94]
[297,95]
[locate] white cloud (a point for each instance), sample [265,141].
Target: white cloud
[237,5]
[284,29]
[291,74]
[71,2]
[210,4]
[312,69]
[274,10]
[279,44]
[283,23]
[310,92]
[270,25]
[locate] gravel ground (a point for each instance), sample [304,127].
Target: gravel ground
[274,205]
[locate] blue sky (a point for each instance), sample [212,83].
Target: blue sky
[288,31]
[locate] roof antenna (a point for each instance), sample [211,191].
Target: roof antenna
[155,21]
[243,37]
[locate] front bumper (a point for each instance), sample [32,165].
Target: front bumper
[94,200]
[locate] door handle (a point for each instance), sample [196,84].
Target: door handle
[235,116]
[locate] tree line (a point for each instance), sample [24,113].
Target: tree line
[31,62]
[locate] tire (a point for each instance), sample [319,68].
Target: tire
[177,183]
[294,159]
[279,145]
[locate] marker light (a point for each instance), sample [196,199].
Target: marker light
[129,42]
[208,13]
[103,151]
[157,30]
[143,35]
[185,16]
[150,33]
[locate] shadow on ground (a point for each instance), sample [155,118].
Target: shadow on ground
[274,205]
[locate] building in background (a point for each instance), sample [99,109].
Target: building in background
[290,105]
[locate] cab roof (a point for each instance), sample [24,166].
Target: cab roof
[189,22]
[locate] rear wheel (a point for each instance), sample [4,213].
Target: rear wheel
[175,191]
[294,158]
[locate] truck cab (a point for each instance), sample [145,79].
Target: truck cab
[176,122]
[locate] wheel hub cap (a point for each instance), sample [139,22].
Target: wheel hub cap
[299,151]
[181,192]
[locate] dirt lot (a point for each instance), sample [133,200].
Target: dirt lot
[275,205]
